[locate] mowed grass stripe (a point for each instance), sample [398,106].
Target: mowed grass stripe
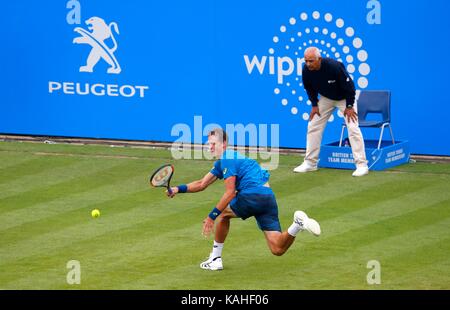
[161,213]
[162,248]
[133,194]
[73,201]
[377,211]
[65,212]
[309,249]
[35,165]
[54,210]
[45,175]
[299,268]
[117,265]
[148,251]
[17,190]
[423,210]
[349,266]
[93,242]
[84,150]
[87,180]
[354,200]
[364,198]
[415,271]
[139,250]
[388,227]
[87,229]
[16,206]
[42,171]
[383,237]
[71,216]
[378,208]
[117,261]
[11,160]
[306,192]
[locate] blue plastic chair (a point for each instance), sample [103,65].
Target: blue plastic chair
[374,102]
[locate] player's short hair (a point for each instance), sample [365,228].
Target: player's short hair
[313,49]
[220,133]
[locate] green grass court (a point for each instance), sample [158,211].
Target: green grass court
[143,240]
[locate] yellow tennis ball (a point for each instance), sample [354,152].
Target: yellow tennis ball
[95,213]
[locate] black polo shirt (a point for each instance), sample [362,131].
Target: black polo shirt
[331,80]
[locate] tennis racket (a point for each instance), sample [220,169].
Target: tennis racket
[161,177]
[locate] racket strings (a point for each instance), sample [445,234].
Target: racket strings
[162,176]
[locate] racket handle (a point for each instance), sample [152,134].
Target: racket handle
[169,190]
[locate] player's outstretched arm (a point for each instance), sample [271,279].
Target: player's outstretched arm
[194,187]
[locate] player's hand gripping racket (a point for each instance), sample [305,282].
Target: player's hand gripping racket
[161,177]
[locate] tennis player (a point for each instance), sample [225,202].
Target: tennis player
[247,193]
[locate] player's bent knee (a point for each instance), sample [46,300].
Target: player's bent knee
[277,251]
[227,214]
[223,218]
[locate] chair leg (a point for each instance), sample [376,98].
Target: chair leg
[392,135]
[381,135]
[342,135]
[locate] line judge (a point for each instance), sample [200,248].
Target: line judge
[330,79]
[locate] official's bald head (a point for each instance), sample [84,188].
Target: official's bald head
[312,52]
[313,58]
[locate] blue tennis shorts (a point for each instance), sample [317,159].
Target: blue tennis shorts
[259,202]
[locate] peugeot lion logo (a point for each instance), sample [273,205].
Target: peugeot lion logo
[100,31]
[100,37]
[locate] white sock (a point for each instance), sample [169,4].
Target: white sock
[217,249]
[294,229]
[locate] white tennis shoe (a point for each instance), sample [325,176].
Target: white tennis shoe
[360,171]
[305,167]
[306,223]
[212,263]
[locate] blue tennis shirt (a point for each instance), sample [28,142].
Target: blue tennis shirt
[248,172]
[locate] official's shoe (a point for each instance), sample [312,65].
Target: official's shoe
[305,167]
[307,223]
[212,263]
[360,171]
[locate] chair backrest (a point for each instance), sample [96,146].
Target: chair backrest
[374,101]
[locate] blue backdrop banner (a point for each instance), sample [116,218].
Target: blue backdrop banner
[138,69]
